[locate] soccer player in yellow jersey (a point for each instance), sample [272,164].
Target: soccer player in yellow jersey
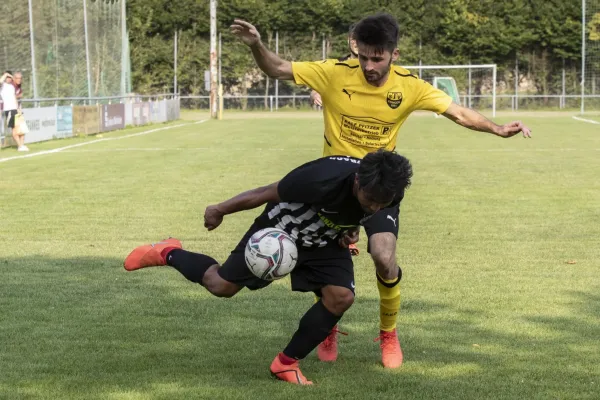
[365,102]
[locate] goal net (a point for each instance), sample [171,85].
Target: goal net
[63,51]
[447,84]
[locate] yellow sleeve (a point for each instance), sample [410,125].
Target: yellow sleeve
[431,99]
[313,74]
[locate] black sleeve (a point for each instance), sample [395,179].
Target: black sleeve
[317,182]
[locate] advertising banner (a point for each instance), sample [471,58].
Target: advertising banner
[86,120]
[128,113]
[136,113]
[163,110]
[155,111]
[172,109]
[141,113]
[146,113]
[41,123]
[113,117]
[64,121]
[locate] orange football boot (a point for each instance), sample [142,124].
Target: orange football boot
[288,373]
[327,350]
[149,255]
[391,352]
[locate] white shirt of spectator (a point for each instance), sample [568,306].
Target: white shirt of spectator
[8,96]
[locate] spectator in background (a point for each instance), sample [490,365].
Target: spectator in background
[18,82]
[8,92]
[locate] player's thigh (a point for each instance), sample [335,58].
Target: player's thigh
[318,268]
[386,220]
[382,233]
[383,247]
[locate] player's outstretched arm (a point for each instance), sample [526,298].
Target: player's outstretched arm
[269,62]
[315,98]
[213,215]
[473,120]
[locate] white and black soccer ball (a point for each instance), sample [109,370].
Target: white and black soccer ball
[271,254]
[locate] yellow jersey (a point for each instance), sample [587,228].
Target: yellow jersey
[359,117]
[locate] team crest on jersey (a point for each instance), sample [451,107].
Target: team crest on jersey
[394,99]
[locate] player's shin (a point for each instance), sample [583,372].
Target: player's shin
[314,327]
[389,305]
[192,266]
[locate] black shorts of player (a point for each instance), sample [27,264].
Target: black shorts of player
[385,220]
[315,268]
[10,118]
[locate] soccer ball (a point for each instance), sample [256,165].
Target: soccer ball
[271,254]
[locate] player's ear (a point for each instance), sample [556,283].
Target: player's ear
[395,55]
[353,46]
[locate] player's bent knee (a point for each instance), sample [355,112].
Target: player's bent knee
[387,268]
[227,289]
[337,299]
[218,286]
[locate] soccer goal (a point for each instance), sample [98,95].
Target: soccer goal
[447,84]
[473,86]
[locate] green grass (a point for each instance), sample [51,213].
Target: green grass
[491,308]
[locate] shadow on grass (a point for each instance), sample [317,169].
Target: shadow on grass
[85,328]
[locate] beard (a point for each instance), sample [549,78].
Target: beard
[372,76]
[375,76]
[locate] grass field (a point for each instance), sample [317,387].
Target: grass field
[499,243]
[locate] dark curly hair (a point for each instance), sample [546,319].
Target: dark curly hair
[384,175]
[379,31]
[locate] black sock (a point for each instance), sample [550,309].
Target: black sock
[191,265]
[314,327]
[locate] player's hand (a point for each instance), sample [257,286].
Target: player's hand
[213,217]
[349,237]
[315,98]
[513,128]
[245,31]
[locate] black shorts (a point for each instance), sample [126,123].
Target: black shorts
[315,268]
[385,220]
[10,118]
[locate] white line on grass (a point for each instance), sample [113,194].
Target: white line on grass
[60,149]
[589,121]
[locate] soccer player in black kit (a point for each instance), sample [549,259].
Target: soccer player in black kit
[321,205]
